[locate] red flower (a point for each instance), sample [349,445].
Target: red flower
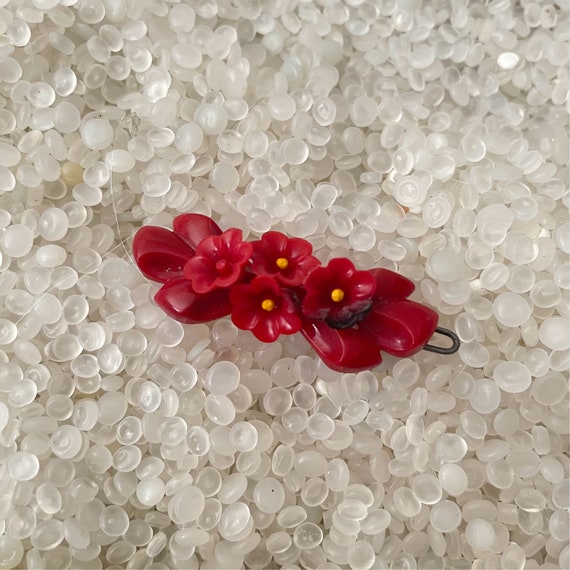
[161,254]
[264,308]
[288,260]
[219,261]
[338,293]
[393,324]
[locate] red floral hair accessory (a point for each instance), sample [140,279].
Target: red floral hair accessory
[275,286]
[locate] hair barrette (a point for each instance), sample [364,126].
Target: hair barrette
[275,286]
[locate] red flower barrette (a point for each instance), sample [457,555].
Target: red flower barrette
[275,286]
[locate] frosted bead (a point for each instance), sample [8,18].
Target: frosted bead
[224,177]
[269,495]
[427,489]
[66,442]
[112,407]
[512,377]
[119,161]
[436,211]
[150,491]
[219,409]
[554,333]
[453,479]
[25,391]
[40,94]
[545,294]
[234,521]
[243,436]
[53,224]
[361,555]
[149,397]
[291,516]
[277,401]
[47,535]
[114,520]
[363,111]
[307,535]
[314,492]
[17,240]
[494,276]
[480,534]
[85,414]
[23,466]
[186,55]
[355,510]
[507,60]
[445,516]
[48,310]
[281,107]
[561,494]
[485,397]
[156,185]
[513,557]
[310,464]
[410,191]
[362,238]
[521,279]
[64,347]
[473,148]
[445,265]
[294,151]
[320,426]
[406,502]
[51,255]
[212,118]
[340,224]
[64,81]
[479,256]
[91,336]
[186,505]
[97,134]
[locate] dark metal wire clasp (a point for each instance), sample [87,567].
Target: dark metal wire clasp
[441,349]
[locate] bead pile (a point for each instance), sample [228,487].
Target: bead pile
[426,138]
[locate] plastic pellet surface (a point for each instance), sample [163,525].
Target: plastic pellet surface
[430,139]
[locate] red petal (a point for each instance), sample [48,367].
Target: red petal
[245,317]
[361,285]
[160,254]
[275,242]
[181,302]
[344,350]
[400,328]
[193,228]
[390,285]
[299,248]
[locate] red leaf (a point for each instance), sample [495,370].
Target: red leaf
[160,254]
[193,228]
[343,350]
[181,302]
[400,328]
[390,285]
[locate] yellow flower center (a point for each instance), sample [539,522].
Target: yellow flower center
[268,305]
[337,295]
[282,263]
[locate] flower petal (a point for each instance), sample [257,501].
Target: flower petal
[391,285]
[343,350]
[400,328]
[160,254]
[181,302]
[193,228]
[299,247]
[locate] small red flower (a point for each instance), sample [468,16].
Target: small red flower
[338,292]
[288,260]
[219,261]
[264,308]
